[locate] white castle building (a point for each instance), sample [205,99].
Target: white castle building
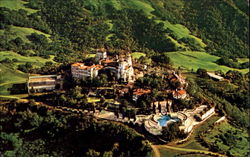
[101,54]
[81,71]
[122,66]
[126,70]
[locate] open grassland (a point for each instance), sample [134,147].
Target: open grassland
[229,139]
[35,61]
[22,32]
[8,73]
[8,77]
[181,31]
[122,4]
[193,60]
[16,5]
[243,60]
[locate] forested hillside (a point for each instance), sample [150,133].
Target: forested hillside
[64,31]
[222,24]
[46,36]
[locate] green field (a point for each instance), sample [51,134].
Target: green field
[22,32]
[35,61]
[181,31]
[237,140]
[8,73]
[122,4]
[16,5]
[137,55]
[193,60]
[243,60]
[9,76]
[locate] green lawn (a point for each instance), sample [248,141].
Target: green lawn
[229,139]
[194,60]
[90,55]
[16,5]
[93,99]
[22,32]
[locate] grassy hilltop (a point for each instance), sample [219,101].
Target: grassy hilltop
[41,35]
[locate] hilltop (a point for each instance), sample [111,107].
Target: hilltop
[69,27]
[187,60]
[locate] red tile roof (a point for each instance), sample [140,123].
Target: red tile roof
[107,61]
[180,92]
[141,91]
[84,67]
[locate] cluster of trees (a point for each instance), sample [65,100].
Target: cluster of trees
[135,30]
[232,63]
[153,82]
[224,34]
[230,96]
[22,18]
[27,67]
[172,132]
[161,59]
[228,136]
[37,131]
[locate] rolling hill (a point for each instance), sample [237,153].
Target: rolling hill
[184,30]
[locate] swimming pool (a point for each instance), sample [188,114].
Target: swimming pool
[164,119]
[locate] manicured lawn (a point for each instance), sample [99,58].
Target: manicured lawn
[93,99]
[227,138]
[22,32]
[16,5]
[90,55]
[194,60]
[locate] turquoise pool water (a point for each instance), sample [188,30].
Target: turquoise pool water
[164,119]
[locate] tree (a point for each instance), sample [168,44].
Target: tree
[161,59]
[77,92]
[234,76]
[25,67]
[171,131]
[108,154]
[202,72]
[92,153]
